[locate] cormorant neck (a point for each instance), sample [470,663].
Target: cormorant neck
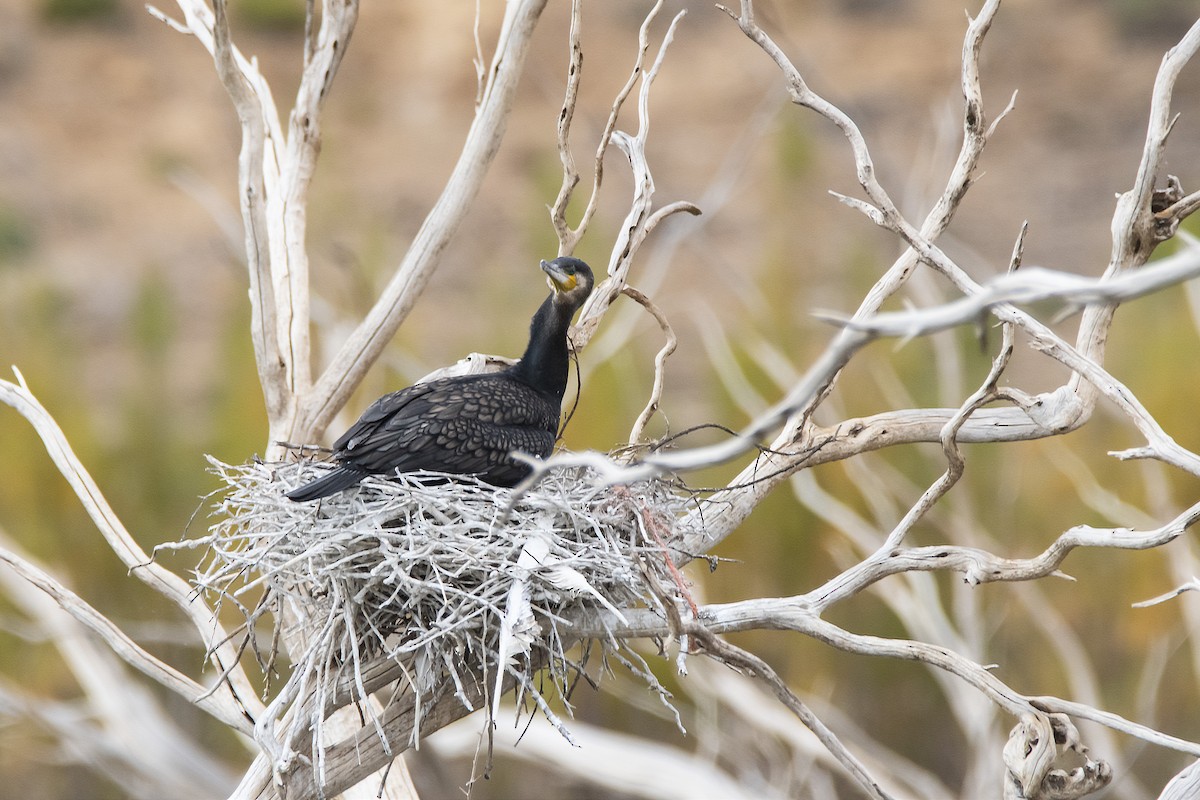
[545,363]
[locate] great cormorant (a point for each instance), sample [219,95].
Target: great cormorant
[470,424]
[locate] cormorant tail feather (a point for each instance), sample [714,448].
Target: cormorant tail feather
[336,480]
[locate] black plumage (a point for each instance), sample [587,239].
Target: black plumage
[470,424]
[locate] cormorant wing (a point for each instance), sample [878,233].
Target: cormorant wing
[458,425]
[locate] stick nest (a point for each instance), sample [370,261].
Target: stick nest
[448,579]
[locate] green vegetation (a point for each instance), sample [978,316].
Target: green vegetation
[17,238]
[72,11]
[270,16]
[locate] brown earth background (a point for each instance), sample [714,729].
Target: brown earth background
[123,301]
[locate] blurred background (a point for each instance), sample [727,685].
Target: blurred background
[123,303]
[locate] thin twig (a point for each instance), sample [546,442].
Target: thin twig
[743,659]
[660,361]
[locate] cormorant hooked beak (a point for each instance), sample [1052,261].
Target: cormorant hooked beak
[560,280]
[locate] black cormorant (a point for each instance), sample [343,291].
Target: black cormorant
[469,424]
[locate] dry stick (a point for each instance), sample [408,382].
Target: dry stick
[728,509]
[1190,586]
[660,361]
[323,54]
[1141,229]
[118,729]
[568,239]
[716,195]
[796,614]
[1056,412]
[823,596]
[917,603]
[1136,232]
[241,696]
[979,566]
[1040,416]
[477,57]
[975,136]
[956,464]
[274,174]
[1029,756]
[642,218]
[651,525]
[1031,285]
[1185,785]
[801,614]
[127,649]
[738,658]
[255,189]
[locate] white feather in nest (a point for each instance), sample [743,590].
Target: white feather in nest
[518,627]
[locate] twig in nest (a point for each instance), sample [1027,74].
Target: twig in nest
[455,582]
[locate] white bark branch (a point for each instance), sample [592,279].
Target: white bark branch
[795,614]
[211,700]
[1183,786]
[660,361]
[1029,285]
[642,216]
[238,692]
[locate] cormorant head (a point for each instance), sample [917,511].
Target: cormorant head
[570,279]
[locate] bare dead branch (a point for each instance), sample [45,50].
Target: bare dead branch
[795,614]
[956,464]
[1184,785]
[262,142]
[660,361]
[1191,586]
[168,584]
[1030,285]
[568,238]
[215,703]
[324,50]
[978,566]
[742,659]
[641,217]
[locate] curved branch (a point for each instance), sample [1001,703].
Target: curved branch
[213,703]
[742,659]
[1050,413]
[660,361]
[642,217]
[258,180]
[979,566]
[157,577]
[568,238]
[794,614]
